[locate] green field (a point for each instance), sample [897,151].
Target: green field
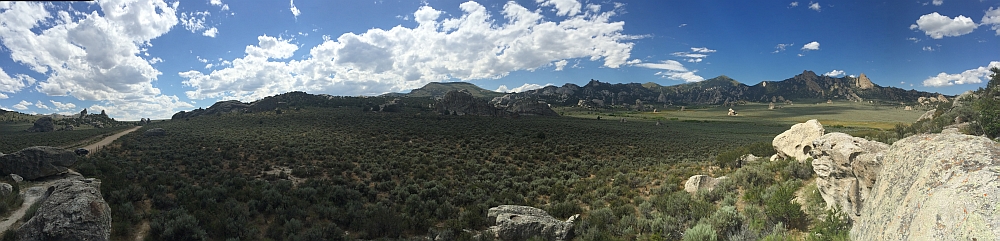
[838,113]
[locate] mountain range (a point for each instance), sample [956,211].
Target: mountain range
[720,90]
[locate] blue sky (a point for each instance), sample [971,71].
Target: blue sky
[152,58]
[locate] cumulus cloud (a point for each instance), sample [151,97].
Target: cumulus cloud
[41,105]
[938,26]
[814,6]
[210,32]
[673,70]
[562,7]
[95,56]
[928,48]
[522,88]
[295,10]
[560,64]
[972,76]
[781,47]
[62,106]
[992,18]
[23,105]
[471,45]
[811,46]
[13,84]
[937,2]
[835,73]
[702,50]
[793,4]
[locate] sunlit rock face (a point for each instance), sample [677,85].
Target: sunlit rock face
[934,187]
[846,168]
[798,141]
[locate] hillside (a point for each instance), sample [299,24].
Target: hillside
[438,89]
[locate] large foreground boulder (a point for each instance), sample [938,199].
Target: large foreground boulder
[71,209]
[44,124]
[846,168]
[934,187]
[798,141]
[701,182]
[37,162]
[513,222]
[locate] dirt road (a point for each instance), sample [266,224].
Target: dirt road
[107,140]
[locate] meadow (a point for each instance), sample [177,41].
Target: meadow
[339,172]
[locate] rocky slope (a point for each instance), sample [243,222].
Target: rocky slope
[924,187]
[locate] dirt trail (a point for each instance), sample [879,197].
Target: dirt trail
[31,194]
[34,191]
[107,140]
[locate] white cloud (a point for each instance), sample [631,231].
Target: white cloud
[468,46]
[271,47]
[696,55]
[834,73]
[915,40]
[215,2]
[972,76]
[194,21]
[793,4]
[210,32]
[62,106]
[992,17]
[937,2]
[702,50]
[814,6]
[15,84]
[39,104]
[781,47]
[682,25]
[94,56]
[928,48]
[811,46]
[673,70]
[155,60]
[23,105]
[295,10]
[666,65]
[561,64]
[562,7]
[522,88]
[3,96]
[938,26]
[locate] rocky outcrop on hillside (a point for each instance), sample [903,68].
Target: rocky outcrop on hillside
[71,209]
[229,106]
[934,187]
[846,168]
[511,222]
[461,102]
[797,141]
[862,82]
[37,162]
[530,107]
[701,182]
[44,124]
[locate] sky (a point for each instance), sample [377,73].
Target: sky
[151,58]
